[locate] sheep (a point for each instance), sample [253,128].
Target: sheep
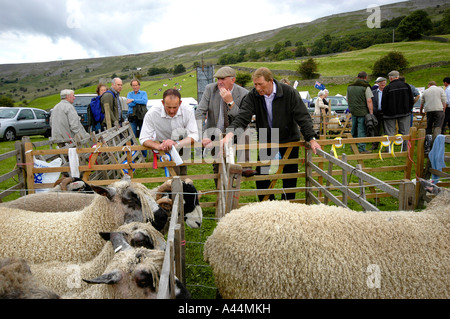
[280,249]
[65,277]
[73,236]
[51,202]
[192,210]
[17,281]
[132,274]
[69,201]
[71,184]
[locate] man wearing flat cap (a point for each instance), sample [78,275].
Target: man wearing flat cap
[397,103]
[377,111]
[219,105]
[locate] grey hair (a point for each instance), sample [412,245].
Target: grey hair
[321,93]
[113,81]
[66,92]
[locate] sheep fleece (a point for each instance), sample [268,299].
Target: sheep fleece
[283,250]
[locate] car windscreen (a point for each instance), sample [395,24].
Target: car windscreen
[8,113]
[82,100]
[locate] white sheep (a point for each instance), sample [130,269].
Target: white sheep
[65,277]
[60,201]
[132,274]
[278,249]
[51,202]
[73,236]
[17,281]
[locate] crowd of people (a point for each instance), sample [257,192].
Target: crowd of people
[226,110]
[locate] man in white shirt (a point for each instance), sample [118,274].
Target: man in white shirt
[447,104]
[433,103]
[170,124]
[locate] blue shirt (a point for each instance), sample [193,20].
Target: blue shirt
[139,98]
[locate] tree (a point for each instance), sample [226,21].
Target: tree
[308,68]
[179,68]
[413,26]
[6,101]
[392,61]
[243,78]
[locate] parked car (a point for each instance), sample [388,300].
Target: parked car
[338,104]
[23,121]
[83,100]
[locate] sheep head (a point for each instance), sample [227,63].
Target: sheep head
[133,199]
[192,211]
[133,273]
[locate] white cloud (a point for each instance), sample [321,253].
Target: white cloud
[35,31]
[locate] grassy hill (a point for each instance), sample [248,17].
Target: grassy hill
[36,80]
[348,63]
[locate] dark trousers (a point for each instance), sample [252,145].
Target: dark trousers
[289,168]
[434,119]
[446,120]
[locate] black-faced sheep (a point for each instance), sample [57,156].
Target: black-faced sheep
[73,236]
[278,249]
[17,281]
[65,277]
[132,274]
[192,210]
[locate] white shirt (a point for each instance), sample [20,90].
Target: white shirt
[158,126]
[269,100]
[447,93]
[432,99]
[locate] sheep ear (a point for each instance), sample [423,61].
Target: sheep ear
[429,187]
[165,203]
[110,278]
[117,239]
[108,192]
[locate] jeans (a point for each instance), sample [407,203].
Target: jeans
[359,130]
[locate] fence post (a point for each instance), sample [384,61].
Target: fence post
[20,161]
[420,161]
[406,196]
[177,188]
[308,175]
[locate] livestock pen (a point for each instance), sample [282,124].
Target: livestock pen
[394,168]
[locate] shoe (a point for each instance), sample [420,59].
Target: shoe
[248,172]
[365,152]
[374,147]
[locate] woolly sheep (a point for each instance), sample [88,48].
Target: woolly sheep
[17,281]
[51,202]
[65,277]
[279,249]
[132,274]
[73,236]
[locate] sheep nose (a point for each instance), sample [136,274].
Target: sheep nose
[141,240]
[143,279]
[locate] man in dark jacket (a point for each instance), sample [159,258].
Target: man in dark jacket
[279,112]
[112,102]
[397,103]
[377,111]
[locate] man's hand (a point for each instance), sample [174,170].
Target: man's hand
[226,95]
[166,145]
[314,146]
[206,142]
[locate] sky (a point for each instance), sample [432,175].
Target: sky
[50,30]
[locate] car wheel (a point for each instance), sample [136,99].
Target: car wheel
[48,133]
[10,134]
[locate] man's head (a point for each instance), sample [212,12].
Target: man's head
[171,101]
[381,82]
[393,75]
[446,81]
[116,84]
[431,83]
[362,75]
[135,85]
[263,81]
[226,77]
[68,95]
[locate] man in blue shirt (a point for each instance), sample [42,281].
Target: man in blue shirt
[137,107]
